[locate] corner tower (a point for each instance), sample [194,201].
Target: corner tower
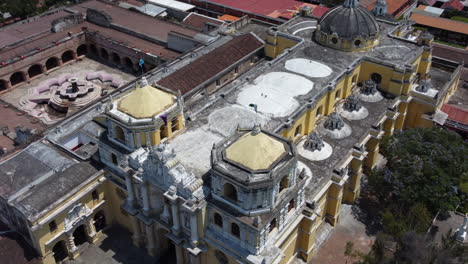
[348,27]
[257,194]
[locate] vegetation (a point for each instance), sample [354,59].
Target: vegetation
[460,18]
[426,173]
[28,8]
[449,44]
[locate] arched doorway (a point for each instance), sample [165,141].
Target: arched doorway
[17,78]
[52,63]
[115,58]
[169,255]
[128,63]
[34,70]
[60,251]
[104,54]
[99,221]
[93,49]
[67,56]
[3,85]
[82,50]
[79,236]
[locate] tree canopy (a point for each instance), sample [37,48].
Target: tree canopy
[425,167]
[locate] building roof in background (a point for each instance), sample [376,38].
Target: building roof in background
[271,8]
[441,23]
[453,4]
[173,4]
[450,53]
[392,5]
[319,11]
[199,21]
[143,24]
[430,10]
[228,18]
[201,70]
[456,114]
[429,2]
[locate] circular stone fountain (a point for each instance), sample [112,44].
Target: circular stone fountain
[73,93]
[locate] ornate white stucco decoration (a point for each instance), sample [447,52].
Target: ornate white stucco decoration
[76,215]
[160,165]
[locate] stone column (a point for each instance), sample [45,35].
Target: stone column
[194,229]
[148,139]
[175,217]
[146,204]
[136,237]
[130,193]
[130,140]
[90,229]
[179,254]
[150,246]
[138,139]
[194,259]
[71,243]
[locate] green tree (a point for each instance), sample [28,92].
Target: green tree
[22,8]
[423,166]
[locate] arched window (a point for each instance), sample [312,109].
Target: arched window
[16,78]
[338,94]
[354,79]
[82,50]
[67,56]
[93,49]
[3,85]
[104,54]
[218,220]
[284,183]
[114,159]
[34,70]
[52,63]
[230,192]
[128,63]
[319,111]
[235,231]
[291,205]
[272,224]
[377,78]
[298,131]
[119,134]
[60,251]
[115,58]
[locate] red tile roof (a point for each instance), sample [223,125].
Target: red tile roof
[138,22]
[456,114]
[201,70]
[450,53]
[393,6]
[198,21]
[453,4]
[228,18]
[441,23]
[272,8]
[319,11]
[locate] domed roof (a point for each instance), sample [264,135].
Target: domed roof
[145,102]
[349,21]
[255,150]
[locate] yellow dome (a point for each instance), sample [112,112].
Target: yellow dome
[255,151]
[145,102]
